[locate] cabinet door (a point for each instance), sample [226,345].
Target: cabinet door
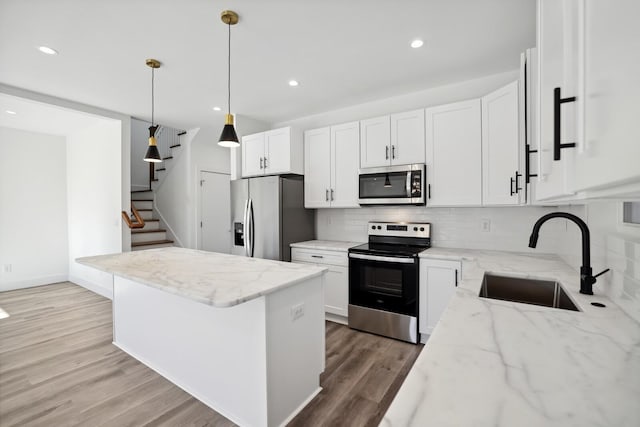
[454,161]
[438,281]
[317,166]
[336,290]
[253,155]
[407,138]
[558,67]
[277,151]
[375,138]
[611,150]
[345,141]
[502,180]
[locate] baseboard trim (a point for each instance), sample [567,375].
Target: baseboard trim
[33,282]
[336,318]
[93,287]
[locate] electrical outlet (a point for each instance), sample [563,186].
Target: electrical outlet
[485,225]
[297,311]
[6,268]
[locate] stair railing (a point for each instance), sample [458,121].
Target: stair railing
[138,223]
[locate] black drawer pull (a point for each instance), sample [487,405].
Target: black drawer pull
[317,256]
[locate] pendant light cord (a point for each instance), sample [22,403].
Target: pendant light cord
[229,70]
[152,95]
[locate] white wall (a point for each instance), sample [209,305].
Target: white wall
[174,197]
[451,227]
[33,209]
[435,96]
[613,245]
[139,143]
[94,188]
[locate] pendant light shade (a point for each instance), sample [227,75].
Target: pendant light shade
[152,155]
[228,137]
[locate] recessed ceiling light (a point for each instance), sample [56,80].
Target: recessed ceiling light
[217,109]
[293,83]
[47,50]
[13,113]
[417,43]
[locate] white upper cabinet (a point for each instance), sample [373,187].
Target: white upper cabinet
[407,138]
[397,139]
[560,109]
[502,178]
[317,168]
[331,166]
[273,152]
[345,140]
[375,141]
[253,154]
[453,154]
[610,153]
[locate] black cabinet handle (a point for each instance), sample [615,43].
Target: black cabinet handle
[527,164]
[428,191]
[456,277]
[393,151]
[317,256]
[386,152]
[557,117]
[518,188]
[511,186]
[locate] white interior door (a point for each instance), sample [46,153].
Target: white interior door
[215,212]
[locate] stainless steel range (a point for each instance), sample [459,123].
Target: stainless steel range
[383,279]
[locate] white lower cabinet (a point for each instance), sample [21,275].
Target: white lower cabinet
[438,282]
[336,287]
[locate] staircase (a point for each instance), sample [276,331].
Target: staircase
[151,235]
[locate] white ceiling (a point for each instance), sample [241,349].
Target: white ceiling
[342,52]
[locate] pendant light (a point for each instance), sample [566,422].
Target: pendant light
[228,137]
[153,155]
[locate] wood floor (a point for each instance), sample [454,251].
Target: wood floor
[58,367]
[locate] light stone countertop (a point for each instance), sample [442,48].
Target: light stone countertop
[326,245]
[216,279]
[499,363]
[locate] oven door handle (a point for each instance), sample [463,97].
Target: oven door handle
[384,258]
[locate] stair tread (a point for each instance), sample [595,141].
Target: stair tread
[153,242]
[142,200]
[174,146]
[161,169]
[142,191]
[167,158]
[155,179]
[145,210]
[141,231]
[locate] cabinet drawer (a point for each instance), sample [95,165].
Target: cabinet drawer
[319,257]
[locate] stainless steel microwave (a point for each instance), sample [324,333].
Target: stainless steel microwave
[393,185]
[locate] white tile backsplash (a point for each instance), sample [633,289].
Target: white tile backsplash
[451,227]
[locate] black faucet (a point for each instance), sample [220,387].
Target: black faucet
[587,279]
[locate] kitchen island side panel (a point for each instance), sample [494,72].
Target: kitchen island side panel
[215,354]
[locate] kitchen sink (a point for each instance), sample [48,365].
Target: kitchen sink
[547,293]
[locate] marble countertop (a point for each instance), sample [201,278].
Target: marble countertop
[215,279]
[499,363]
[326,245]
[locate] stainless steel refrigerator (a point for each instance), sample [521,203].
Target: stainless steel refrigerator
[268,214]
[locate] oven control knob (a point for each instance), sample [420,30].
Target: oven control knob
[373,227]
[415,228]
[421,228]
[379,228]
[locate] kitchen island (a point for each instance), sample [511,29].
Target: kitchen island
[501,363]
[245,336]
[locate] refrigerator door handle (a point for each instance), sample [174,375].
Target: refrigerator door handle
[252,228]
[246,227]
